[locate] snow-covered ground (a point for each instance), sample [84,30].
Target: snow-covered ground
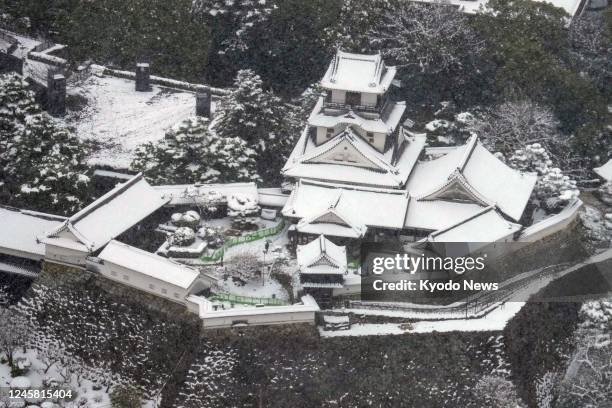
[121,118]
[266,288]
[35,374]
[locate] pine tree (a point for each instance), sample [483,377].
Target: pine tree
[190,153]
[41,162]
[260,118]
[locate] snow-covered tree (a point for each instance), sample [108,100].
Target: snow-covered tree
[263,120]
[427,38]
[553,188]
[183,236]
[190,153]
[15,333]
[41,162]
[512,125]
[187,219]
[498,391]
[212,235]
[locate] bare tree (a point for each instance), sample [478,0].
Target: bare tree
[513,125]
[15,332]
[499,391]
[591,385]
[432,37]
[244,266]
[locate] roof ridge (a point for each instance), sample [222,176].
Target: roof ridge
[94,205]
[470,146]
[470,218]
[147,253]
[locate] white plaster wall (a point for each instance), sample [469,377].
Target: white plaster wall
[259,319]
[65,255]
[322,133]
[379,138]
[140,281]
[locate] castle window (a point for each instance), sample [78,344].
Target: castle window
[151,286]
[329,132]
[370,136]
[126,278]
[164,291]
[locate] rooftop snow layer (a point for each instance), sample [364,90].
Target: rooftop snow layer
[109,216]
[479,173]
[571,7]
[20,229]
[186,194]
[321,256]
[370,167]
[121,118]
[605,171]
[485,226]
[358,73]
[149,264]
[310,199]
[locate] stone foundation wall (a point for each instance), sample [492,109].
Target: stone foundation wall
[56,274]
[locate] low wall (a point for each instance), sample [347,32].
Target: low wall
[553,224]
[170,83]
[253,316]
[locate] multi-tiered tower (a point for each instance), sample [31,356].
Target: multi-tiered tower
[355,171]
[354,134]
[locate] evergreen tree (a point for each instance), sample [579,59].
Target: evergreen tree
[260,118]
[41,162]
[190,153]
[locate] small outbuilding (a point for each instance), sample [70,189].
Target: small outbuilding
[151,273]
[322,266]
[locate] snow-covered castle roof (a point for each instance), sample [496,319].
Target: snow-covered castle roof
[107,217]
[363,165]
[605,171]
[147,263]
[322,256]
[358,73]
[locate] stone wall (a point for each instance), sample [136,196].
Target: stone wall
[56,274]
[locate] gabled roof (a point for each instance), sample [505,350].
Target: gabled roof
[334,221]
[387,123]
[605,171]
[358,73]
[19,230]
[348,142]
[147,263]
[373,167]
[477,173]
[359,205]
[438,214]
[107,217]
[486,226]
[322,256]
